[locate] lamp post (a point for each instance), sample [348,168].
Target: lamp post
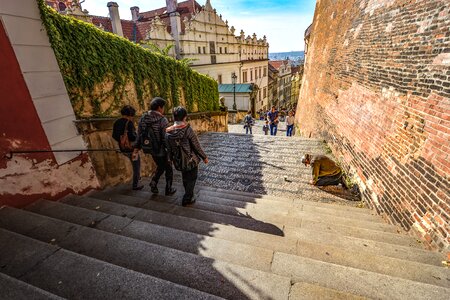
[233,80]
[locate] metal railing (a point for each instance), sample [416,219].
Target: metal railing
[10,154]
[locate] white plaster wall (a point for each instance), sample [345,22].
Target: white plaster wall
[242,101]
[40,70]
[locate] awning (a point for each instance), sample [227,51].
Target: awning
[240,88]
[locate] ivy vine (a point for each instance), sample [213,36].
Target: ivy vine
[89,57]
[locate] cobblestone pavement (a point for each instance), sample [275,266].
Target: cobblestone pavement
[264,165]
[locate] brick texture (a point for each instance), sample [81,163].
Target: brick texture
[377,88]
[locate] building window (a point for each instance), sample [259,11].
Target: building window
[220,50]
[256,74]
[259,72]
[199,35]
[265,71]
[62,6]
[259,95]
[204,50]
[199,50]
[251,75]
[265,93]
[219,79]
[226,51]
[244,76]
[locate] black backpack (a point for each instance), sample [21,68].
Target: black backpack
[150,144]
[182,161]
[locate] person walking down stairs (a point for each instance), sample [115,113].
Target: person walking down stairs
[125,134]
[152,128]
[185,152]
[248,122]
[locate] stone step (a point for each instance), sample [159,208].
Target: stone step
[217,230]
[255,257]
[74,276]
[316,242]
[244,219]
[12,288]
[201,273]
[307,291]
[354,281]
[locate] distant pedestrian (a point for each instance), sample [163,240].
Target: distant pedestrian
[261,115]
[248,122]
[290,124]
[324,170]
[185,152]
[266,127]
[124,133]
[152,131]
[272,116]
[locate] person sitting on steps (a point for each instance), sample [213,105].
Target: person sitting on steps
[324,170]
[185,152]
[152,130]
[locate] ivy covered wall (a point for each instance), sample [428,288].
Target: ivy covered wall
[103,72]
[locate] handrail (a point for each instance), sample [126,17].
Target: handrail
[11,153]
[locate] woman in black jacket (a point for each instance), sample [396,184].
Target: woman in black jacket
[122,126]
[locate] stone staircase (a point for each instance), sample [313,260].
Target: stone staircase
[250,235]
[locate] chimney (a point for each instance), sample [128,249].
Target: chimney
[134,13]
[175,24]
[115,18]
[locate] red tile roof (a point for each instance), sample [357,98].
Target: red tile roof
[276,63]
[133,32]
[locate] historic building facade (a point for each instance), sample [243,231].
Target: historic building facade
[200,34]
[281,83]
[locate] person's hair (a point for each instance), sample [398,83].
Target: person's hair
[267,121]
[179,113]
[306,158]
[273,107]
[249,112]
[157,102]
[128,111]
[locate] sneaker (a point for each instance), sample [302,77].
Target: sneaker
[154,187]
[170,191]
[138,188]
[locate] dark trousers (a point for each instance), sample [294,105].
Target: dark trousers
[162,165]
[189,179]
[247,129]
[329,180]
[136,168]
[273,129]
[289,130]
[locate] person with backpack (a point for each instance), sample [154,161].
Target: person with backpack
[152,130]
[248,122]
[125,134]
[185,152]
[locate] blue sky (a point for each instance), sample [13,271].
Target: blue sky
[282,21]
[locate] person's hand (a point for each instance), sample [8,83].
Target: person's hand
[206,161]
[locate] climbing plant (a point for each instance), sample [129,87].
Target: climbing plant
[89,57]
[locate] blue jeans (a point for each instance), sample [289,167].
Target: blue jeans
[247,129]
[136,168]
[273,129]
[289,130]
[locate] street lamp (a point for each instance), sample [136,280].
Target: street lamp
[233,80]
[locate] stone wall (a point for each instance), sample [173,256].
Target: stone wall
[377,87]
[113,168]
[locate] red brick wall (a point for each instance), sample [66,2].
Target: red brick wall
[377,87]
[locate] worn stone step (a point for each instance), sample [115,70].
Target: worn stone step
[159,203]
[307,291]
[243,218]
[201,273]
[354,281]
[12,288]
[310,243]
[121,222]
[74,276]
[221,231]
[346,253]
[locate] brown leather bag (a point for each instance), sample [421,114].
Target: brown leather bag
[125,144]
